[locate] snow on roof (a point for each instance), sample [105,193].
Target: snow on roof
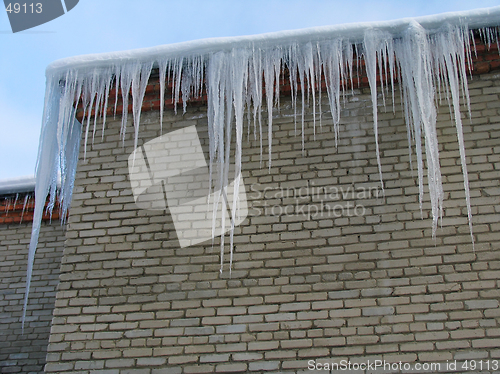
[17,185]
[473,19]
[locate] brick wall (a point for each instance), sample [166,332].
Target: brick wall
[364,280]
[25,353]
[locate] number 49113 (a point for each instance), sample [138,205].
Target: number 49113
[24,8]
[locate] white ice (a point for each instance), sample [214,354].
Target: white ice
[425,53]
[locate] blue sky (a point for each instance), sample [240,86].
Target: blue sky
[96,26]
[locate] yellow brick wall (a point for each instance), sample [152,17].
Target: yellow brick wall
[356,285]
[25,353]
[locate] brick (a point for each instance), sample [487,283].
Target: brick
[280,317]
[198,369]
[432,336]
[58,367]
[235,347]
[222,320]
[263,366]
[467,334]
[230,311]
[344,294]
[334,304]
[119,363]
[377,311]
[231,368]
[294,307]
[485,343]
[329,342]
[264,326]
[415,347]
[339,313]
[151,361]
[247,356]
[199,330]
[376,292]
[179,360]
[296,343]
[221,357]
[481,304]
[138,352]
[263,345]
[231,329]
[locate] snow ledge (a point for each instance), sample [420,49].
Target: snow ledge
[354,31]
[17,185]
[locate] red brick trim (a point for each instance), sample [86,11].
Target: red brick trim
[11,209]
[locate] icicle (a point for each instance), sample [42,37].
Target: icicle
[117,87]
[26,198]
[255,95]
[271,78]
[374,51]
[309,72]
[90,95]
[163,78]
[239,70]
[414,54]
[234,75]
[46,172]
[450,44]
[216,107]
[176,81]
[7,206]
[140,77]
[108,81]
[15,201]
[292,61]
[319,76]
[302,71]
[333,65]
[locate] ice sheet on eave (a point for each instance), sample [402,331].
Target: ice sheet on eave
[353,31]
[17,185]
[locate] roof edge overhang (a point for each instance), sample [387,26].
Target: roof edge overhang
[473,19]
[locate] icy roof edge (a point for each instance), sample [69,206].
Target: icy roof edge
[17,185]
[354,31]
[22,184]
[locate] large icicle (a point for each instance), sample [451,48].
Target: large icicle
[239,79]
[376,46]
[415,61]
[46,174]
[272,68]
[423,54]
[451,63]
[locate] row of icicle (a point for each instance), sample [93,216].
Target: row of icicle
[426,66]
[12,203]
